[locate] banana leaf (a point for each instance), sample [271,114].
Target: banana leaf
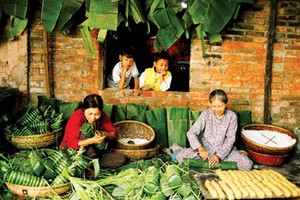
[178,24]
[156,5]
[17,27]
[137,112]
[160,18]
[50,13]
[120,112]
[216,37]
[244,117]
[156,44]
[193,116]
[127,13]
[188,22]
[235,14]
[69,8]
[157,120]
[148,4]
[201,35]
[87,39]
[214,14]
[17,8]
[49,101]
[165,37]
[67,108]
[101,35]
[169,34]
[87,7]
[136,11]
[174,6]
[170,28]
[66,29]
[177,123]
[108,109]
[103,14]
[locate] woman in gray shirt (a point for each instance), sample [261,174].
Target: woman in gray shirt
[213,134]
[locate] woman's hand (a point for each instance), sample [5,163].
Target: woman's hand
[98,138]
[214,160]
[202,152]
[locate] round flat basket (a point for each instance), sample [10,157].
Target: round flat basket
[136,154]
[134,135]
[261,148]
[111,159]
[33,141]
[41,192]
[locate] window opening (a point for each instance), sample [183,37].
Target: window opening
[136,36]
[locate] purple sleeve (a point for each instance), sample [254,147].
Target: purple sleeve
[195,130]
[223,150]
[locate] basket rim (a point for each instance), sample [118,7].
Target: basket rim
[136,154]
[33,141]
[136,122]
[265,146]
[156,147]
[33,136]
[13,187]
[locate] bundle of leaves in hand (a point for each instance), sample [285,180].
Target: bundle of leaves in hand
[42,167]
[36,120]
[89,130]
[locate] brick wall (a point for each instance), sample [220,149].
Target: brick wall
[236,65]
[74,74]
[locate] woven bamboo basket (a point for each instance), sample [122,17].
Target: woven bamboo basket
[136,154]
[41,192]
[33,141]
[130,129]
[254,146]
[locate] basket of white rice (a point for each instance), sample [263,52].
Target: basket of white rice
[134,135]
[268,139]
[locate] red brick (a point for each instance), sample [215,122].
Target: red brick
[180,102]
[83,79]
[162,94]
[295,61]
[278,47]
[147,94]
[233,57]
[63,78]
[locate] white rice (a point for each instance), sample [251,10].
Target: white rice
[269,138]
[136,141]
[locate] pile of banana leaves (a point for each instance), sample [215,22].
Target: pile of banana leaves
[36,120]
[146,179]
[42,167]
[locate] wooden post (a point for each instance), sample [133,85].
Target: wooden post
[48,84]
[269,62]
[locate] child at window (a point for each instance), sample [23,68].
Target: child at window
[124,70]
[157,78]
